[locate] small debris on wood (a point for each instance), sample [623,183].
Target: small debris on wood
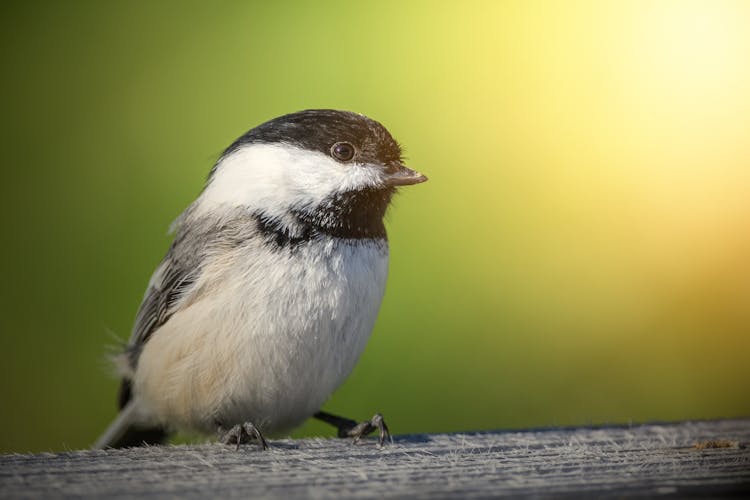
[718,443]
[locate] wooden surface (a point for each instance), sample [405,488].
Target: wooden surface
[678,460]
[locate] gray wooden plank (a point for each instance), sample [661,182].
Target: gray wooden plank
[644,460]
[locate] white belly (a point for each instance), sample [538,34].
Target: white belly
[267,339]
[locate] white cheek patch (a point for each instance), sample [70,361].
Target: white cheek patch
[275,177]
[324,176]
[253,176]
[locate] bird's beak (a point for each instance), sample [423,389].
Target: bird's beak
[399,175]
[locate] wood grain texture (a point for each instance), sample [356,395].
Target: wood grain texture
[671,460]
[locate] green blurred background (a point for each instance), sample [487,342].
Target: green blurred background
[580,255]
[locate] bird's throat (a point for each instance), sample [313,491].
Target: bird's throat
[352,214]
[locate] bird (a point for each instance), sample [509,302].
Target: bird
[270,288]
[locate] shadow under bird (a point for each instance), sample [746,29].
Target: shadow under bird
[270,289]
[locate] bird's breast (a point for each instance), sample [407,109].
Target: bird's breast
[271,334]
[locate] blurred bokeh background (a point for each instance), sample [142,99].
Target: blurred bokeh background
[580,255]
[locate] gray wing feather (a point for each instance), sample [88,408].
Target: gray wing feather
[177,274]
[176,277]
[171,282]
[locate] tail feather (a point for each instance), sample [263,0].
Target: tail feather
[124,433]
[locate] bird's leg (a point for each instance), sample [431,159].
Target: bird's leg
[241,433]
[350,428]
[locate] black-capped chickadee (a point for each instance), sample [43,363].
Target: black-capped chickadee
[270,289]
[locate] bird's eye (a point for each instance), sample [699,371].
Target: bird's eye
[342,151]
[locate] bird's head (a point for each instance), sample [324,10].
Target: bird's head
[307,160]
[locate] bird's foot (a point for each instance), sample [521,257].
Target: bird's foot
[242,433]
[350,428]
[369,426]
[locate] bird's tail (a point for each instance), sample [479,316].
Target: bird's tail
[123,432]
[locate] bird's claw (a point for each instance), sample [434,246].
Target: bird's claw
[350,428]
[368,426]
[242,433]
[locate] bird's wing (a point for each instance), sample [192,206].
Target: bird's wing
[175,281]
[172,281]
